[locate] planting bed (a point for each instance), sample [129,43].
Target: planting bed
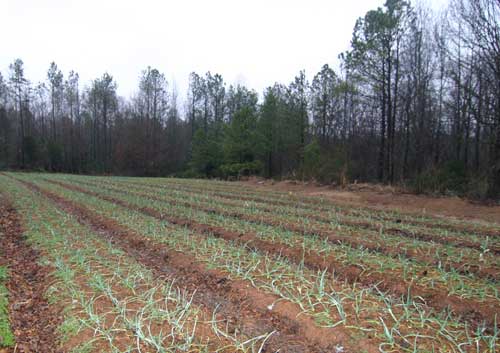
[115,264]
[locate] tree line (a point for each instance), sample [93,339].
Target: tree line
[416,100]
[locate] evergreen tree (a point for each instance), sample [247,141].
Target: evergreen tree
[240,137]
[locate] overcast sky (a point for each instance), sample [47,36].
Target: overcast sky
[255,42]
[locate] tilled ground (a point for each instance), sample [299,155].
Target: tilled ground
[244,306]
[33,321]
[487,272]
[272,220]
[247,310]
[469,310]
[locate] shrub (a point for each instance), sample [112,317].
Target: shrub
[324,165]
[312,160]
[451,178]
[237,170]
[55,152]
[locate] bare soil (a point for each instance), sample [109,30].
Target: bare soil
[316,204]
[355,240]
[245,306]
[387,198]
[468,310]
[318,228]
[33,321]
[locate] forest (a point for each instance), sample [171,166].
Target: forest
[415,101]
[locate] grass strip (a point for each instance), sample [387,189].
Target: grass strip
[6,336]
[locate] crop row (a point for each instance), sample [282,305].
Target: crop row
[332,254]
[316,203]
[462,255]
[396,322]
[119,303]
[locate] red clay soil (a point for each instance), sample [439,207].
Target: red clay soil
[245,306]
[33,321]
[468,310]
[320,206]
[480,271]
[386,198]
[378,201]
[447,240]
[321,230]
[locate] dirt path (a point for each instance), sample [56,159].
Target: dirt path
[33,321]
[469,310]
[245,306]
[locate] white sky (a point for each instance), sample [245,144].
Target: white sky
[255,42]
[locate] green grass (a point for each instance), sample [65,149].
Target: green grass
[6,335]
